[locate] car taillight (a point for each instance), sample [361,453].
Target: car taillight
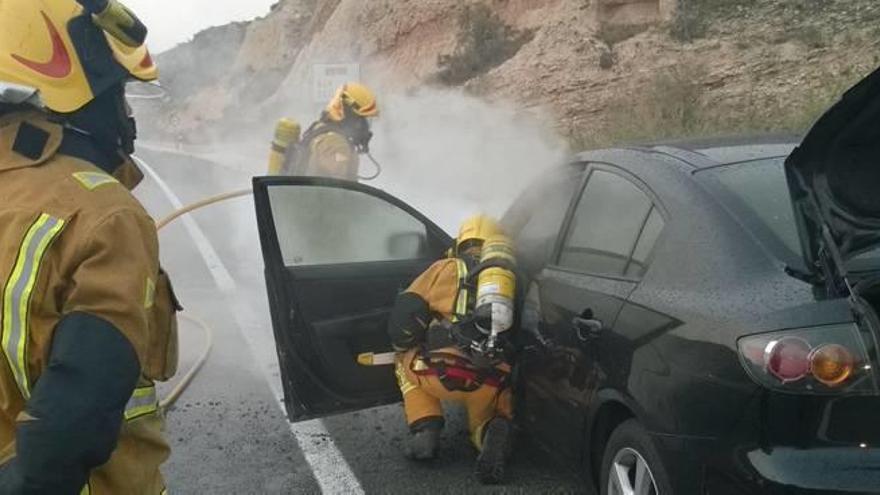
[788,359]
[821,360]
[832,364]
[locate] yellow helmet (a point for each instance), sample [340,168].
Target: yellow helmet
[355,97]
[477,228]
[49,45]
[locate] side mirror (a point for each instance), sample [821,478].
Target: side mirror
[407,245]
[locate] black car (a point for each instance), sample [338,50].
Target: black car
[712,306]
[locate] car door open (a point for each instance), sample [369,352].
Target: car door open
[336,255]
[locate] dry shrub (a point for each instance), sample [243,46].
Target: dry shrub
[484,42]
[693,17]
[676,104]
[689,23]
[613,34]
[673,105]
[810,36]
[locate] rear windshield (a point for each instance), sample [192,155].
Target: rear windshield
[757,192]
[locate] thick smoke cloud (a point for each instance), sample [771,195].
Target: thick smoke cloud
[451,155]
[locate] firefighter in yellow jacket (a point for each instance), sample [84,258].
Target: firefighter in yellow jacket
[88,317]
[331,146]
[457,358]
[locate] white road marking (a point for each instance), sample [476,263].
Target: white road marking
[326,461]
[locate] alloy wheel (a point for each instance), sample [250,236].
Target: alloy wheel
[631,475]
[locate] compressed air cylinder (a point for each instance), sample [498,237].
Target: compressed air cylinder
[117,20]
[287,133]
[496,286]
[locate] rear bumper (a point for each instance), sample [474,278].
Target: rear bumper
[712,467]
[851,469]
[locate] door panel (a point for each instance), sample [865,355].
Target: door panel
[348,311]
[336,256]
[608,238]
[570,374]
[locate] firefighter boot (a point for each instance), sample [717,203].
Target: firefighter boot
[423,442]
[497,444]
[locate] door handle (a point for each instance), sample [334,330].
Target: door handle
[587,329]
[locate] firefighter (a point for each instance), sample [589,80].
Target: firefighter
[88,316]
[464,355]
[331,146]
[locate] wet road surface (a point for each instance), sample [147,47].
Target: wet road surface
[228,431]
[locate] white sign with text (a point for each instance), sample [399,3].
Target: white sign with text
[326,79]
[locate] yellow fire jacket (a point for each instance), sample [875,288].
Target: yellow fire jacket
[440,286]
[74,239]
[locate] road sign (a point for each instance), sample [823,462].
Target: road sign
[326,79]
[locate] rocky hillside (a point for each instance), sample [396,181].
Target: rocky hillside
[603,70]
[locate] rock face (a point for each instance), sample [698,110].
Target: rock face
[225,44]
[603,69]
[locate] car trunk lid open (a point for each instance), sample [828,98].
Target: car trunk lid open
[834,176]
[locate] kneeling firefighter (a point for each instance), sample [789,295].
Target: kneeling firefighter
[331,146]
[464,356]
[87,316]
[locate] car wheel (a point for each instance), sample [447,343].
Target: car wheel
[631,465]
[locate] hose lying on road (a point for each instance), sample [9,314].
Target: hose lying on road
[184,382]
[187,379]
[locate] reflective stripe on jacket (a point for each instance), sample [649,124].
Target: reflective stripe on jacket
[463,302]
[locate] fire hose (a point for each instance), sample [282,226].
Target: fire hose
[187,379]
[184,382]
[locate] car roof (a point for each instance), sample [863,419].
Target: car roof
[709,152]
[730,149]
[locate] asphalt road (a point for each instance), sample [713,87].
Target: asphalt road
[228,431]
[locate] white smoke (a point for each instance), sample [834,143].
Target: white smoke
[451,155]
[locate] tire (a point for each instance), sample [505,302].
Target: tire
[629,451]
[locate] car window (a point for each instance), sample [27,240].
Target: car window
[757,192]
[536,216]
[323,225]
[650,233]
[606,225]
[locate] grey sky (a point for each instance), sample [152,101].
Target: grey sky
[176,21]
